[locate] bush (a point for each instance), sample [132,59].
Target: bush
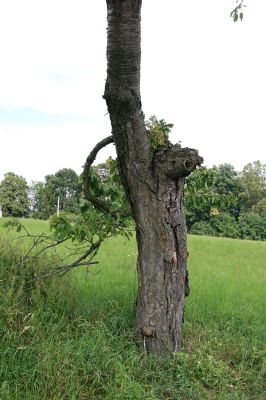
[202,228]
[252,226]
[224,225]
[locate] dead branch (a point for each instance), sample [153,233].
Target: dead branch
[81,261]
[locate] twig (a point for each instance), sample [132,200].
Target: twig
[77,263]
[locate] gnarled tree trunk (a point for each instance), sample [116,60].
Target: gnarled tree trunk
[154,184]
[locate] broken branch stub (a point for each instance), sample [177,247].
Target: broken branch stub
[174,162]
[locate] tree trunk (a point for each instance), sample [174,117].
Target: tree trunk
[154,183]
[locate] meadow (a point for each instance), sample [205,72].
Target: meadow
[71,337]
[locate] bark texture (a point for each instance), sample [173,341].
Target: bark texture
[154,183]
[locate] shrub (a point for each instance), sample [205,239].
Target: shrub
[224,225]
[252,226]
[202,228]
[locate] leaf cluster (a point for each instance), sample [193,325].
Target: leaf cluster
[158,131]
[238,12]
[222,202]
[200,190]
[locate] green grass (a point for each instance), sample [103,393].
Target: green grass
[73,340]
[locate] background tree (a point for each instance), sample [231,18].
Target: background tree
[227,185]
[223,202]
[252,226]
[14,199]
[200,196]
[65,184]
[253,185]
[260,207]
[68,187]
[41,206]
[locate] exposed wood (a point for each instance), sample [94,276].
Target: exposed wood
[173,162]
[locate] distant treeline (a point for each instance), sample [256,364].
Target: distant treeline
[219,201]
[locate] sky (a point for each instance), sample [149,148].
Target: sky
[200,71]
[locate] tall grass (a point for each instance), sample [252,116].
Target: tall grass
[71,337]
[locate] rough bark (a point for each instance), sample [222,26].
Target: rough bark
[154,184]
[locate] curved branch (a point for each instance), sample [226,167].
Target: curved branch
[96,201]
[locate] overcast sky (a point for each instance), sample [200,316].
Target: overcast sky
[200,71]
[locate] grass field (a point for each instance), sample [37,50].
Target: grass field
[73,340]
